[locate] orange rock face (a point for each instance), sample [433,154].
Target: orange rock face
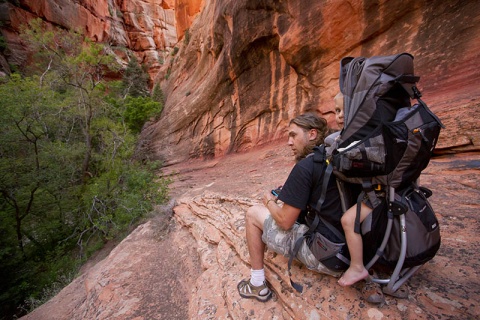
[186,11]
[248,68]
[148,28]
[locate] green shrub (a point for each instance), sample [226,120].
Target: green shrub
[138,110]
[157,94]
[69,181]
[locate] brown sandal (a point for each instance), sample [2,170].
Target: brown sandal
[247,290]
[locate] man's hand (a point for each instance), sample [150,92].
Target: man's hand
[268,197]
[285,216]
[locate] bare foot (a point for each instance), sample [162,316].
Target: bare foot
[352,276]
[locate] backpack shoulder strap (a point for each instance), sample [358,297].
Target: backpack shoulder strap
[319,163]
[321,157]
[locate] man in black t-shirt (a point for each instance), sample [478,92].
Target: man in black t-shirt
[278,226]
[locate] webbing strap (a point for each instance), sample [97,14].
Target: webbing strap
[368,190]
[356,227]
[312,227]
[326,179]
[293,254]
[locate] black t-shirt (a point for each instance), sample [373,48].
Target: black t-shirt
[300,191]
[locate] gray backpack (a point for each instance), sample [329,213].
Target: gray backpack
[383,148]
[385,145]
[385,140]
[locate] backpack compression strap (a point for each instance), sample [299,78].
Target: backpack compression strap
[319,160]
[311,230]
[369,191]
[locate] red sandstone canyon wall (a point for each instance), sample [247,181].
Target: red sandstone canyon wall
[252,65]
[148,28]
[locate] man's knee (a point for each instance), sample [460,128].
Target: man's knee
[256,215]
[252,213]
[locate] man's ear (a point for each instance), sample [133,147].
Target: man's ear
[312,134]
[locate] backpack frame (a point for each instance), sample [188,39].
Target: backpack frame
[385,145]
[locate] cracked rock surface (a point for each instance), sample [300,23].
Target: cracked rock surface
[189,266]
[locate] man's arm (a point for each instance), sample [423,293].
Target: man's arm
[284,216]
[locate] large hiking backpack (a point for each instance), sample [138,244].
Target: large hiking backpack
[383,148]
[385,144]
[385,140]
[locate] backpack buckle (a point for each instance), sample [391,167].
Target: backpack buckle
[416,93]
[397,208]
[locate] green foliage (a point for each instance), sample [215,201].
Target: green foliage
[68,182]
[117,199]
[37,168]
[169,72]
[157,94]
[139,110]
[135,79]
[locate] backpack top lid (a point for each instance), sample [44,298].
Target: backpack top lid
[364,80]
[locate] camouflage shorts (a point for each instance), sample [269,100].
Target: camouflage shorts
[282,242]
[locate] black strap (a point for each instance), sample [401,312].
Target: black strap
[369,191]
[316,220]
[326,179]
[334,230]
[318,208]
[293,254]
[356,227]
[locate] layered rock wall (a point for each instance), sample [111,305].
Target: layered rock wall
[147,28]
[250,66]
